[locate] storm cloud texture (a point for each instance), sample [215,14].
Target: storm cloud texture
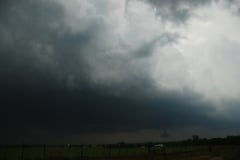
[71,70]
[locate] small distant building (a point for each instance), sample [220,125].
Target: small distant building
[159,145]
[157,149]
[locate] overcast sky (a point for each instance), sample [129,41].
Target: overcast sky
[103,71]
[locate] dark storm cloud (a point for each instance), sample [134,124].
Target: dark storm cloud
[179,11]
[22,31]
[91,110]
[57,79]
[35,47]
[37,44]
[40,62]
[176,10]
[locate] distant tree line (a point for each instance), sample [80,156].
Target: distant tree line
[229,140]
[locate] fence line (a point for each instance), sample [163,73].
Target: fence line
[45,152]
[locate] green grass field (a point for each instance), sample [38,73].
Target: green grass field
[133,153]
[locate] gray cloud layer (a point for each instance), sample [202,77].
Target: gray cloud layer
[175,10]
[72,67]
